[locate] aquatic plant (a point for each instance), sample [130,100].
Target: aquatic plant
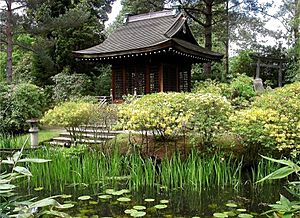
[84,167]
[9,141]
[10,204]
[284,207]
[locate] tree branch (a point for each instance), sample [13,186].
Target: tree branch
[192,16]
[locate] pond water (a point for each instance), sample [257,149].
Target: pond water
[179,203]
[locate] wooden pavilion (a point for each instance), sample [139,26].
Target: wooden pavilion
[150,53]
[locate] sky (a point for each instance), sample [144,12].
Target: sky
[114,13]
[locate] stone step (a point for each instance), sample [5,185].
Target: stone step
[93,131]
[104,127]
[69,141]
[87,135]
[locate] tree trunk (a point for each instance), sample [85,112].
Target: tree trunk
[9,38]
[226,58]
[296,21]
[208,35]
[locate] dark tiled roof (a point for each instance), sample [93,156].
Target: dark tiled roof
[145,33]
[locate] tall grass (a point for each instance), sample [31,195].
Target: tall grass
[16,141]
[263,168]
[84,167]
[10,141]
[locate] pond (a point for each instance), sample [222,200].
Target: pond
[107,202]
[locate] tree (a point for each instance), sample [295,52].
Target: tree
[211,16]
[8,28]
[61,27]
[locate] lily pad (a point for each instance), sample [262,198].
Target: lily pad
[84,198]
[125,191]
[164,201]
[161,206]
[65,206]
[104,196]
[93,202]
[138,214]
[241,210]
[231,205]
[139,207]
[117,193]
[65,196]
[109,191]
[123,199]
[220,215]
[149,200]
[245,215]
[230,213]
[129,211]
[38,189]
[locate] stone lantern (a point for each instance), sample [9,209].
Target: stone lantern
[34,130]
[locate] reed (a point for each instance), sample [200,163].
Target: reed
[10,141]
[85,167]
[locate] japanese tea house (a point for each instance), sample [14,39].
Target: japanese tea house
[150,53]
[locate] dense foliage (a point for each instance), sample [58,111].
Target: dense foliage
[69,86]
[19,103]
[239,92]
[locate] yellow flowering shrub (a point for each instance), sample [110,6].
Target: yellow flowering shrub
[210,114]
[163,113]
[168,114]
[286,102]
[253,126]
[69,114]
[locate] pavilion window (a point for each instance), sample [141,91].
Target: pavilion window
[136,80]
[154,83]
[140,80]
[184,79]
[130,75]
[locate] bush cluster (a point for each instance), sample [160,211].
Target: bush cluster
[239,92]
[19,103]
[167,115]
[272,121]
[72,115]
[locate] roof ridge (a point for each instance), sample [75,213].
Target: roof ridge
[151,15]
[175,27]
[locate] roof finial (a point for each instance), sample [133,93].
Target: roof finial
[126,18]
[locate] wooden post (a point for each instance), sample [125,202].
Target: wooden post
[177,74]
[258,69]
[161,78]
[147,79]
[124,80]
[189,71]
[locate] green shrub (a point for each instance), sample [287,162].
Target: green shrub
[19,103]
[210,114]
[239,92]
[69,85]
[213,87]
